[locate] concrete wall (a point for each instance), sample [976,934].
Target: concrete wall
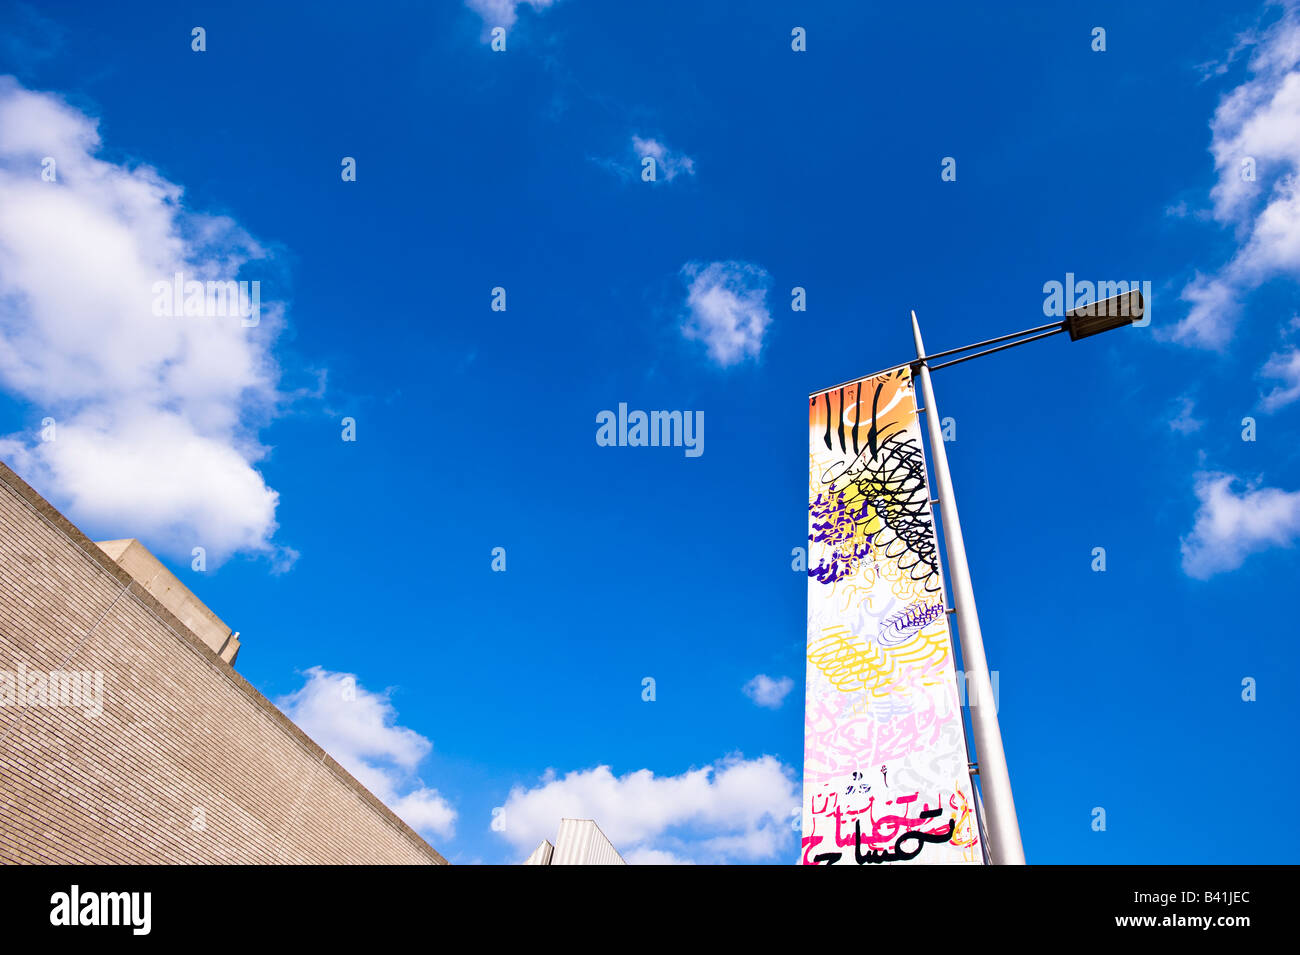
[186,763]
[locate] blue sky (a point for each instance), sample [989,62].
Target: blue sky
[522,169]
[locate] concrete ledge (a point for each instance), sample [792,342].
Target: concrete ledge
[163,585]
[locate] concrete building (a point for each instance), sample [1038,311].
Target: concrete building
[580,842]
[126,736]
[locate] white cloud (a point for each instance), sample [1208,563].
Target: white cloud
[1230,527]
[503,13]
[358,728]
[1256,123]
[424,810]
[669,164]
[156,417]
[1284,366]
[765,691]
[727,309]
[1244,41]
[1185,422]
[1213,314]
[732,810]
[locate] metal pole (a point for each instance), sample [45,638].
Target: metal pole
[995,782]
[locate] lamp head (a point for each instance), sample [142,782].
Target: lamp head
[1097,317]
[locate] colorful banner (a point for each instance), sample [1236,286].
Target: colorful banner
[885,759]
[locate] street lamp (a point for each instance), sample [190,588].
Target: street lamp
[1110,313]
[1002,825]
[1003,829]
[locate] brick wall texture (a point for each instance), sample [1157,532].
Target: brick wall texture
[187,763]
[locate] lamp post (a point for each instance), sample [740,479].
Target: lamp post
[1002,826]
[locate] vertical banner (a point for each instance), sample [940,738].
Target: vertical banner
[885,759]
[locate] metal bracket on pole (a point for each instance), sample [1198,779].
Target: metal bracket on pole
[990,351]
[1034,334]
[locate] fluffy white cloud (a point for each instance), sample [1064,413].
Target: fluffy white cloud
[734,810]
[767,692]
[424,810]
[1213,313]
[1285,367]
[155,417]
[1231,526]
[503,13]
[726,305]
[358,728]
[1254,130]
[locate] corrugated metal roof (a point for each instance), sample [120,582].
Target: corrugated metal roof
[541,855]
[581,842]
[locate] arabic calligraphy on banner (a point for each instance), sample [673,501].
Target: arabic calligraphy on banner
[885,759]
